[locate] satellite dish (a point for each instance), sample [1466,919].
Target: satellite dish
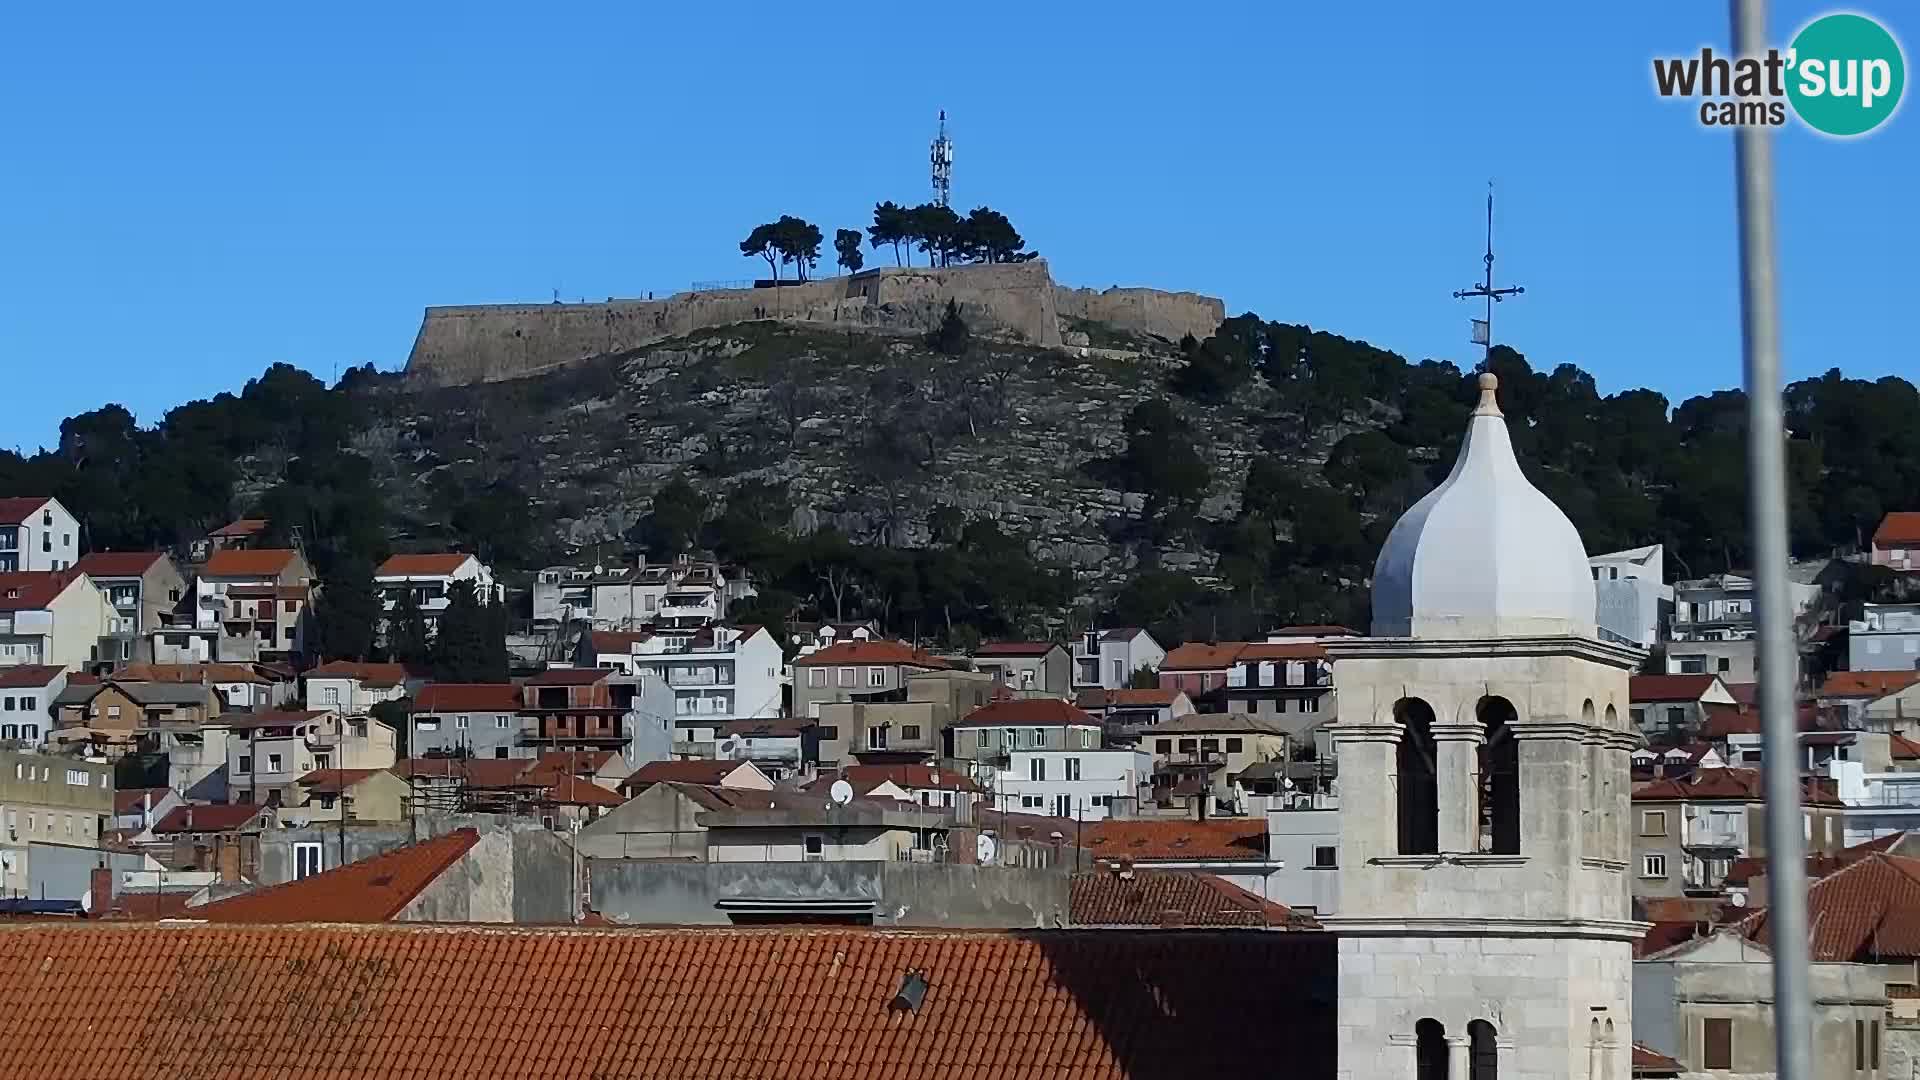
[1739,899]
[984,848]
[841,792]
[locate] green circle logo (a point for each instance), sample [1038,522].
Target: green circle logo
[1846,74]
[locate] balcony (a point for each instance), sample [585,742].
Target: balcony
[680,679]
[1702,833]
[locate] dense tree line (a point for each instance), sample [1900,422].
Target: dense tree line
[984,235]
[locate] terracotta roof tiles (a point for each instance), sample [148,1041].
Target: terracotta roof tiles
[16,509]
[706,771]
[441,564]
[872,652]
[241,528]
[467,697]
[1126,699]
[1867,684]
[1898,527]
[865,778]
[411,1002]
[1026,712]
[1725,784]
[333,781]
[222,817]
[32,590]
[377,676]
[1216,840]
[1668,687]
[117,564]
[254,562]
[1202,656]
[1867,911]
[29,676]
[371,890]
[1173,898]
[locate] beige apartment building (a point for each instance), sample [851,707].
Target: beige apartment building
[909,725]
[47,799]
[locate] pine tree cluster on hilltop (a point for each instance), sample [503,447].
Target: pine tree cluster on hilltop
[1298,546]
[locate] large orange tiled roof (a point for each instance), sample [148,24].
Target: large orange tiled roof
[110,564]
[1202,656]
[249,562]
[371,890]
[1867,911]
[1668,687]
[16,509]
[1027,712]
[1173,898]
[410,1002]
[1898,527]
[467,697]
[872,652]
[1216,839]
[31,590]
[1867,684]
[439,564]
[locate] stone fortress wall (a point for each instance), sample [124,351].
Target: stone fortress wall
[493,342]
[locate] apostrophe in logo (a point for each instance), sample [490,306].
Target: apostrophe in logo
[1842,75]
[1847,74]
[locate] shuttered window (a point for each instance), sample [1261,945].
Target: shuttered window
[1718,1036]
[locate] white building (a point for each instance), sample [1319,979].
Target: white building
[56,618]
[37,533]
[429,577]
[1886,637]
[354,688]
[1076,784]
[683,593]
[268,753]
[1106,659]
[1630,593]
[1484,916]
[717,673]
[27,692]
[254,602]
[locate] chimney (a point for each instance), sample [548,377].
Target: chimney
[146,809]
[99,891]
[227,862]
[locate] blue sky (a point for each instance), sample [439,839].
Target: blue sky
[191,192]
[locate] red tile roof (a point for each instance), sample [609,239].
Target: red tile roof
[1214,840]
[872,652]
[706,772]
[15,510]
[1725,784]
[334,781]
[1898,527]
[1202,656]
[1173,898]
[413,1002]
[1725,720]
[369,891]
[212,672]
[131,800]
[151,904]
[1282,650]
[434,565]
[1668,687]
[617,641]
[110,564]
[1026,712]
[1867,911]
[1653,1064]
[222,817]
[1867,684]
[259,562]
[374,676]
[558,764]
[571,790]
[1904,749]
[31,590]
[28,676]
[242,527]
[865,778]
[1123,699]
[271,718]
[1015,648]
[467,697]
[1744,870]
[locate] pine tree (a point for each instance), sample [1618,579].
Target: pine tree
[459,652]
[407,639]
[348,611]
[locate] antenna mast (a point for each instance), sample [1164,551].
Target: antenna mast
[942,163]
[1483,328]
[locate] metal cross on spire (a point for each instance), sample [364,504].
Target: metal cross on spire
[1483,328]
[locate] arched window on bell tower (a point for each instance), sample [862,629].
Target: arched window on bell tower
[1484,1052]
[1417,781]
[1499,778]
[1430,1050]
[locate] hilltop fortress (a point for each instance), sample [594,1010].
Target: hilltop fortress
[493,342]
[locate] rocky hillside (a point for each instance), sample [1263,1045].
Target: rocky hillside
[868,433]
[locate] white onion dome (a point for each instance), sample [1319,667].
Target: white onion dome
[1485,554]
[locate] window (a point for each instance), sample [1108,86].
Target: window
[306,859]
[1653,823]
[1119,674]
[1233,746]
[1073,768]
[1716,1037]
[460,722]
[1417,793]
[1859,1045]
[1209,746]
[499,751]
[816,677]
[246,764]
[1063,806]
[910,732]
[1653,866]
[1430,1050]
[846,677]
[427,723]
[77,777]
[1724,664]
[1693,665]
[8,704]
[1873,1044]
[1163,746]
[829,731]
[1188,746]
[876,676]
[1030,802]
[274,763]
[323,761]
[877,738]
[814,848]
[333,695]
[113,712]
[503,722]
[1483,1053]
[1325,858]
[1206,681]
[1037,768]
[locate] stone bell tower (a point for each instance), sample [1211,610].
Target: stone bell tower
[1484,922]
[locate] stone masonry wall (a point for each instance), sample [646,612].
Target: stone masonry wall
[491,342]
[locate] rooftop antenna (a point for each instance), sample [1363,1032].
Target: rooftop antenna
[942,163]
[1483,328]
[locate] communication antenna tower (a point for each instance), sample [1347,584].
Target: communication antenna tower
[942,163]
